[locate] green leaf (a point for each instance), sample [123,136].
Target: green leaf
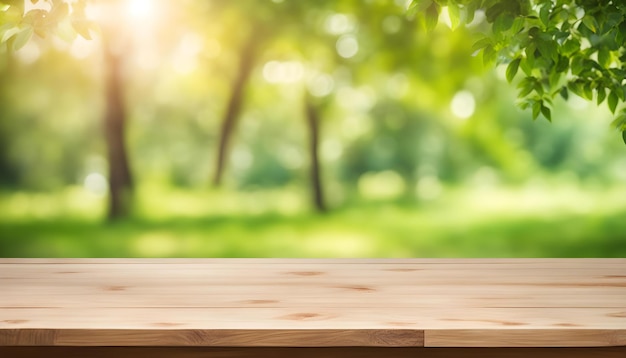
[530,55]
[526,86]
[526,67]
[481,44]
[9,32]
[612,101]
[546,112]
[503,22]
[564,93]
[489,55]
[620,122]
[570,46]
[604,57]
[576,87]
[455,15]
[554,78]
[624,136]
[518,25]
[418,6]
[537,105]
[511,69]
[22,38]
[601,95]
[577,65]
[587,92]
[591,23]
[544,13]
[470,10]
[431,17]
[547,49]
[619,91]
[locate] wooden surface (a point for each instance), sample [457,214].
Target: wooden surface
[326,352]
[313,302]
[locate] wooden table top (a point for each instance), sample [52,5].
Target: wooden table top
[313,302]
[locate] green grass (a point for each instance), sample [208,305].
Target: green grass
[496,223]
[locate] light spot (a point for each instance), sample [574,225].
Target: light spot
[29,53]
[463,104]
[347,46]
[96,183]
[283,72]
[320,85]
[82,48]
[338,24]
[331,149]
[391,24]
[140,9]
[185,59]
[241,158]
[428,188]
[381,186]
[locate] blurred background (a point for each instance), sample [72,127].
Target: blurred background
[291,128]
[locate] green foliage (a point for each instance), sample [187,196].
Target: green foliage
[17,24]
[453,228]
[562,46]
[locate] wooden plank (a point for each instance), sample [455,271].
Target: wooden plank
[213,338]
[363,262]
[87,297]
[313,301]
[524,338]
[322,318]
[326,352]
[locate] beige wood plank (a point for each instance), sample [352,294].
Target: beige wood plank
[355,263]
[246,292]
[525,338]
[84,298]
[320,318]
[333,300]
[310,271]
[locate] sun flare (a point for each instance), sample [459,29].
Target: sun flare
[141,10]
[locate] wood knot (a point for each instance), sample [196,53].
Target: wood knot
[305,273]
[566,325]
[115,288]
[260,302]
[166,324]
[304,316]
[617,314]
[15,321]
[400,324]
[357,288]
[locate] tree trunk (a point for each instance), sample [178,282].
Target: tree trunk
[229,120]
[313,125]
[120,178]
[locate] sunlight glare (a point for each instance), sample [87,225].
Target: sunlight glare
[140,9]
[463,104]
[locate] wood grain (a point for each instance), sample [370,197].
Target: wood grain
[313,302]
[326,352]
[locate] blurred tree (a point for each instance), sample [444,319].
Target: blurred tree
[560,45]
[115,118]
[17,27]
[313,123]
[247,57]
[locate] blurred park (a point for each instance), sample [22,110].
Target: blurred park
[282,128]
